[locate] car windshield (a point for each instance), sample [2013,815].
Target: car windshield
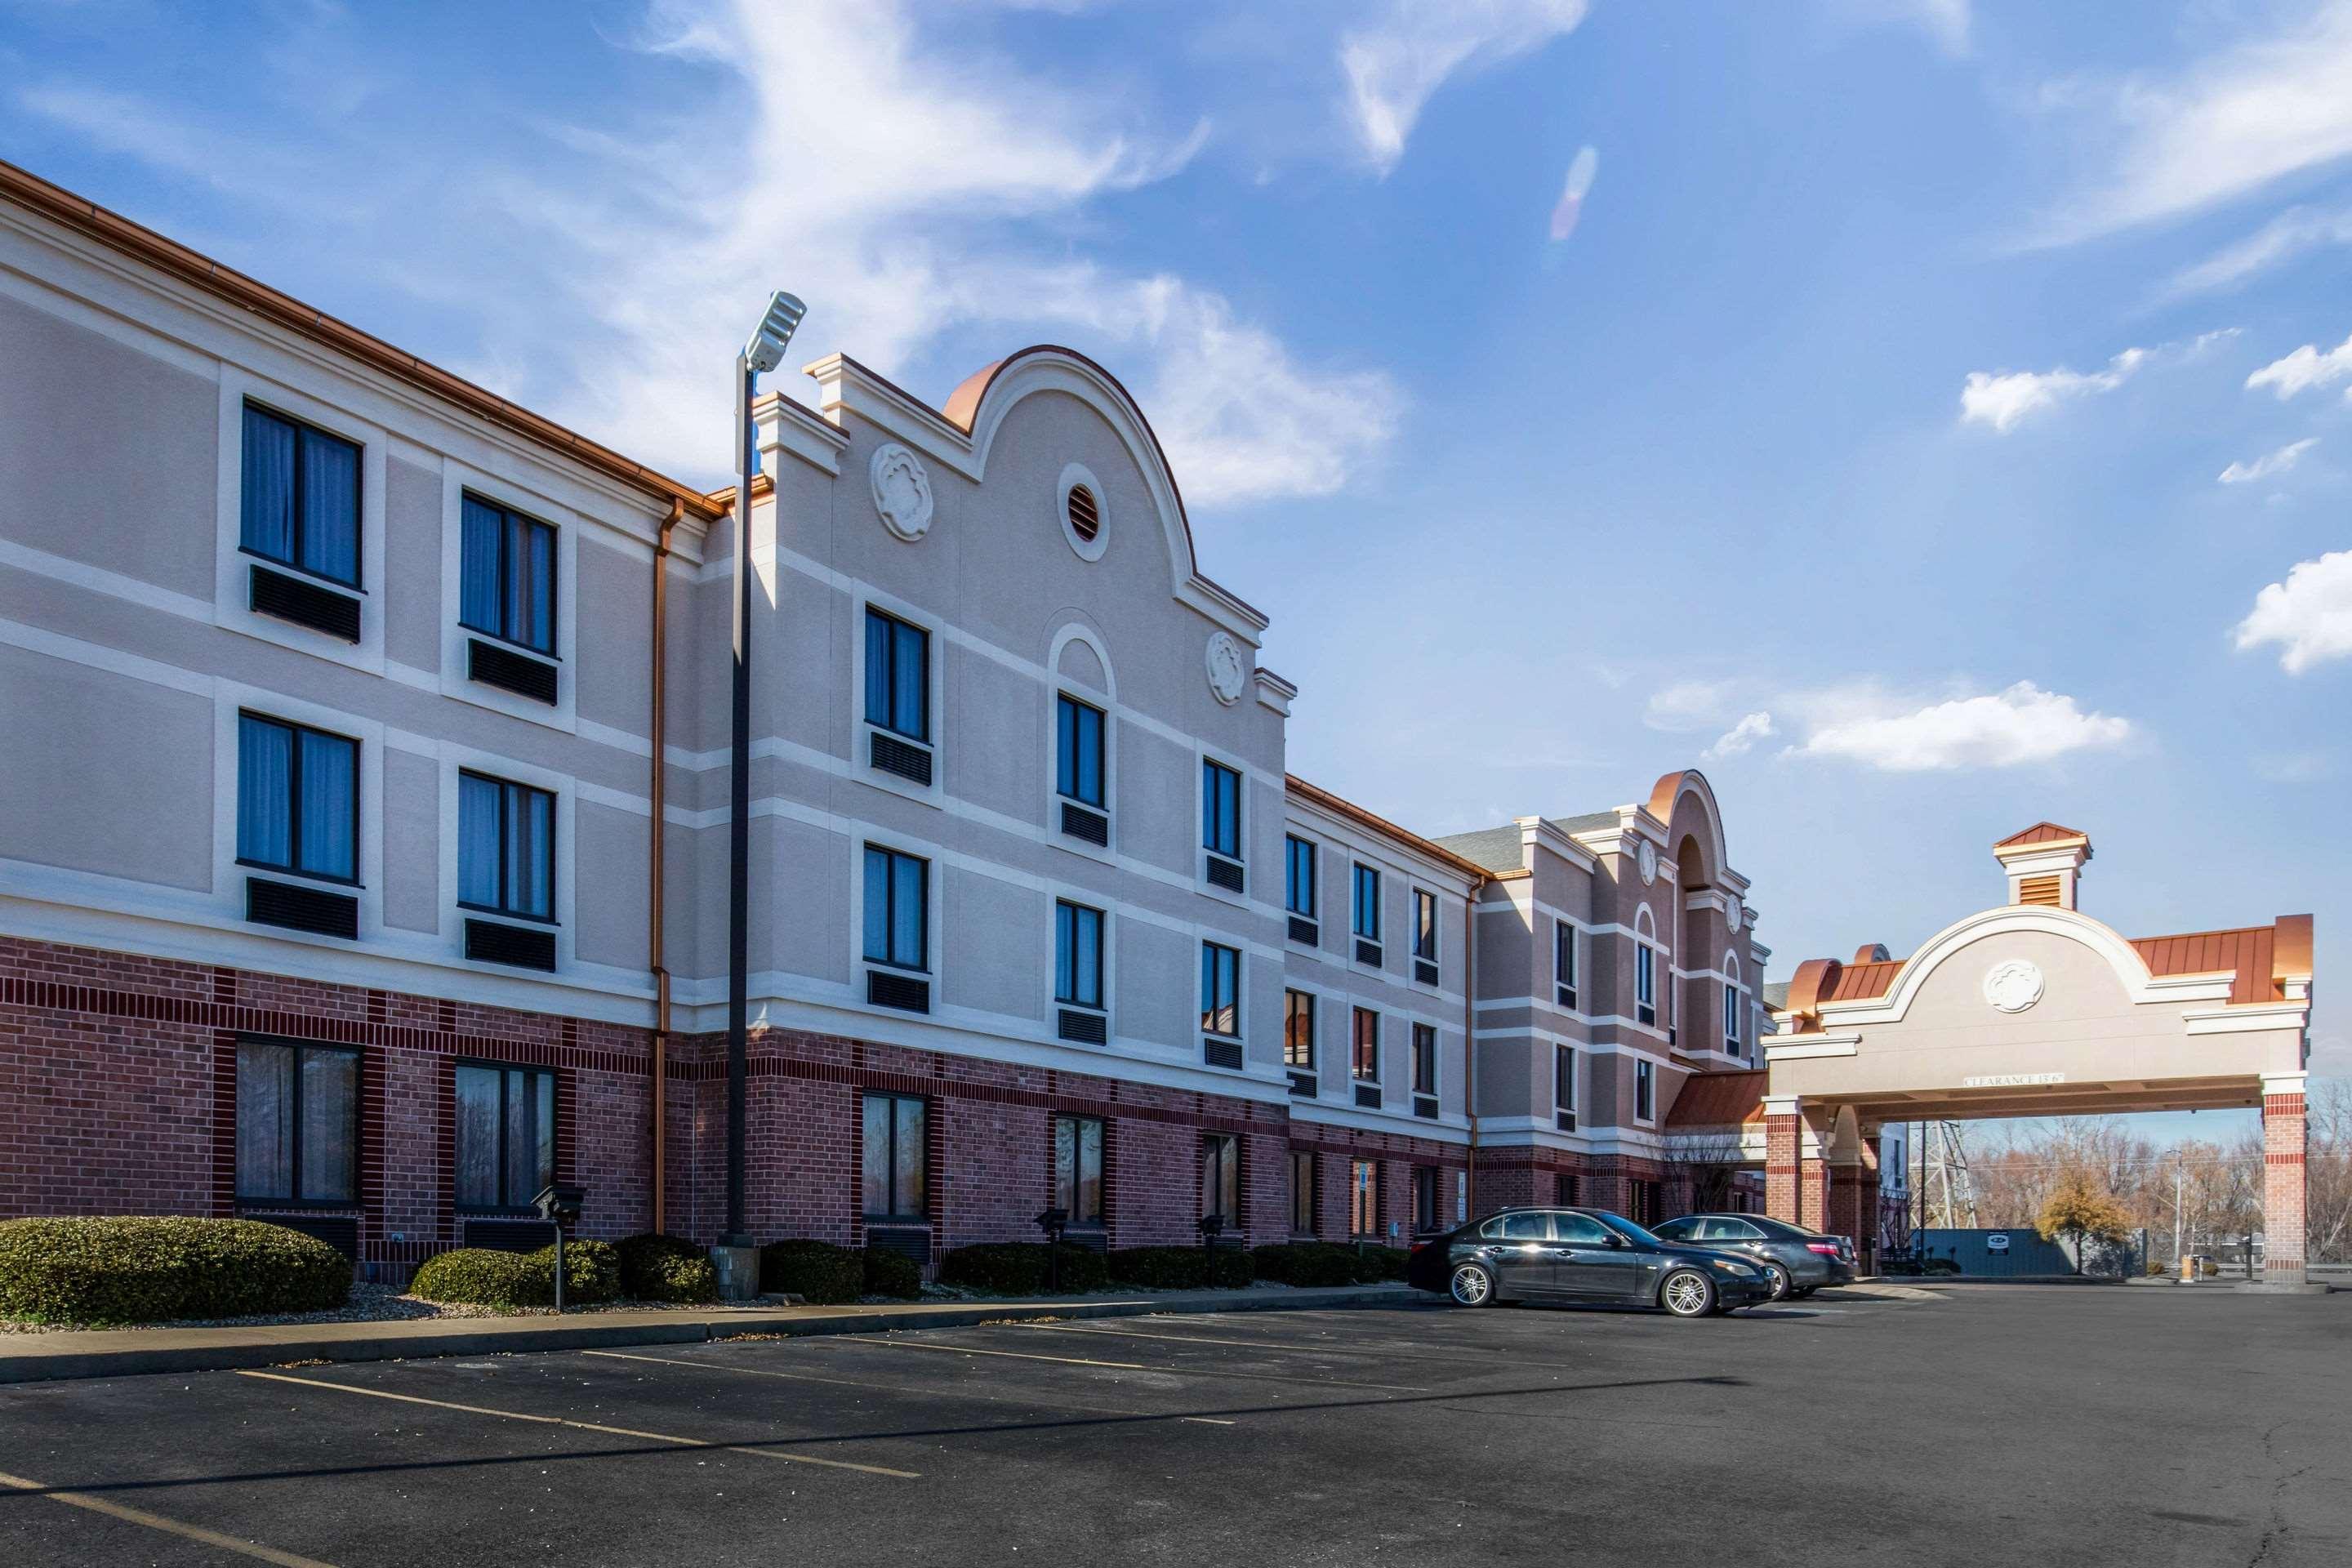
[1624,1227]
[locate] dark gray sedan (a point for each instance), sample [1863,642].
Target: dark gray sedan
[1580,1255]
[1796,1261]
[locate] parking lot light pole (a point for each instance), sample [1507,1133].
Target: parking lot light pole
[763,350]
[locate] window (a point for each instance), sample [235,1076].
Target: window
[898,677]
[1365,1061]
[1302,1192]
[1424,1058]
[1425,925]
[1298,1029]
[1299,877]
[1521,1226]
[1645,983]
[506,847]
[507,575]
[1221,1179]
[1646,1095]
[1363,1197]
[891,1157]
[1563,960]
[1580,1230]
[298,799]
[1645,1201]
[1078,751]
[298,1115]
[1425,1198]
[1220,981]
[1078,956]
[1732,1006]
[1079,1169]
[897,908]
[1565,1183]
[1563,1084]
[1221,810]
[1367,903]
[302,498]
[506,1136]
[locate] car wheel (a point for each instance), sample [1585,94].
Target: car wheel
[1471,1287]
[1688,1293]
[1777,1279]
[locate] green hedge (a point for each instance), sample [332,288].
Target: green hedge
[1180,1268]
[134,1270]
[1018,1268]
[1313,1263]
[889,1273]
[664,1268]
[817,1272]
[1382,1263]
[478,1277]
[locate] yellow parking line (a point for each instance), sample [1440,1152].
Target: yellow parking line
[1206,1340]
[1016,1355]
[871,1387]
[169,1526]
[587,1426]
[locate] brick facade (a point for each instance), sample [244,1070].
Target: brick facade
[2283,1193]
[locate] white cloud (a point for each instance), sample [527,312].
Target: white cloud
[2305,368]
[1394,65]
[1688,705]
[2002,400]
[2308,616]
[2284,238]
[2229,125]
[1741,737]
[2269,463]
[2021,725]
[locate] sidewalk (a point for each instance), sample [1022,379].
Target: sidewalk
[118,1352]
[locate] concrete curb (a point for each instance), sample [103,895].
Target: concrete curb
[226,1349]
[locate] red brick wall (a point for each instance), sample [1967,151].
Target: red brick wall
[2284,1192]
[1783,1143]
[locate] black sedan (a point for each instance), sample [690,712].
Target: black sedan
[1580,1255]
[1796,1261]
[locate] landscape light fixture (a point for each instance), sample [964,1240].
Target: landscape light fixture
[560,1206]
[763,350]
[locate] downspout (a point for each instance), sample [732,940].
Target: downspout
[655,922]
[1470,1036]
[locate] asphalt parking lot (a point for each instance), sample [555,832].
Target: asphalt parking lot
[2023,1425]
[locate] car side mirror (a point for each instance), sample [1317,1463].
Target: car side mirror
[1615,1240]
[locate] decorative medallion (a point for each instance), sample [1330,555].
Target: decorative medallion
[2012,985]
[902,491]
[1731,913]
[1228,671]
[1646,857]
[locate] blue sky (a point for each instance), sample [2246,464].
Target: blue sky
[1931,418]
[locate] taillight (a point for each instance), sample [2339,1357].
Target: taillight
[1826,1248]
[1416,1246]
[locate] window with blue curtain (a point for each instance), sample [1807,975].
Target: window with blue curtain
[298,799]
[300,506]
[898,677]
[1299,877]
[506,847]
[898,928]
[1368,903]
[1220,809]
[1220,978]
[507,575]
[1078,954]
[1078,751]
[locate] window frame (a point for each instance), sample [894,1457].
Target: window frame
[554,1131]
[1563,1078]
[1563,965]
[1217,780]
[300,525]
[1425,925]
[1294,888]
[891,677]
[1219,961]
[1364,901]
[1645,1090]
[1226,1166]
[1733,1001]
[1424,1054]
[1077,1124]
[1645,983]
[1071,926]
[294,798]
[894,1217]
[1428,1204]
[1360,1048]
[296,1120]
[1291,1059]
[1304,1194]
[1364,1199]
[508,517]
[506,817]
[1065,737]
[889,908]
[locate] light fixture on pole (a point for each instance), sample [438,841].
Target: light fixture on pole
[764,351]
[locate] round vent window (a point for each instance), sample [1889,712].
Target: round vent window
[1085,522]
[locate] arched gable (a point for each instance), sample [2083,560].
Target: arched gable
[2130,970]
[1684,802]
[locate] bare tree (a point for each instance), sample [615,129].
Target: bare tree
[1703,1164]
[2328,1171]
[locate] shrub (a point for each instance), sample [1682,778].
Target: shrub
[133,1270]
[889,1273]
[1381,1263]
[478,1277]
[1180,1268]
[816,1272]
[1018,1268]
[1940,1265]
[1305,1263]
[664,1268]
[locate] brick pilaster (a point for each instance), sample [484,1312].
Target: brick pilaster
[2283,1186]
[1784,1138]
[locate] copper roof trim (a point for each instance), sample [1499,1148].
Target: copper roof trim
[2291,948]
[2042,833]
[1349,809]
[143,245]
